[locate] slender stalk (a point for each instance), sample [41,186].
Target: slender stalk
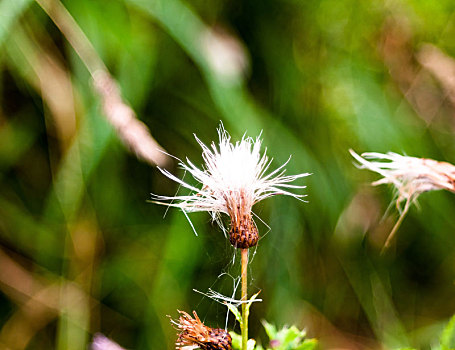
[396,226]
[244,325]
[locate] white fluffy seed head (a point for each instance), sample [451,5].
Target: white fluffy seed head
[411,176]
[233,178]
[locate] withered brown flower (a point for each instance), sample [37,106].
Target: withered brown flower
[195,335]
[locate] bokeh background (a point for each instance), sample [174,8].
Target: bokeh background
[81,249]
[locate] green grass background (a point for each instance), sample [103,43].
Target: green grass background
[323,77]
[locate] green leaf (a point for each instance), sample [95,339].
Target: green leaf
[236,340]
[252,299]
[235,311]
[270,329]
[289,338]
[309,344]
[292,334]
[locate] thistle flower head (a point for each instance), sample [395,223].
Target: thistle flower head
[233,178]
[411,176]
[195,335]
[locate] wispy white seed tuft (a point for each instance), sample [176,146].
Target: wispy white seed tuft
[233,178]
[410,176]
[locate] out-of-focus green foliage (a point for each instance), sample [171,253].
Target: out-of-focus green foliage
[448,335]
[81,249]
[287,338]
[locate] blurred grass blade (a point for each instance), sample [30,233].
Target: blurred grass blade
[120,115]
[21,229]
[10,10]
[376,303]
[178,259]
[15,140]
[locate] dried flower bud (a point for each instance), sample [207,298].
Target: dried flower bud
[243,233]
[194,334]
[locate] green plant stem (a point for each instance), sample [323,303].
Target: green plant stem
[244,325]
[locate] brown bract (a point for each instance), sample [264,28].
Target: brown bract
[194,334]
[243,233]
